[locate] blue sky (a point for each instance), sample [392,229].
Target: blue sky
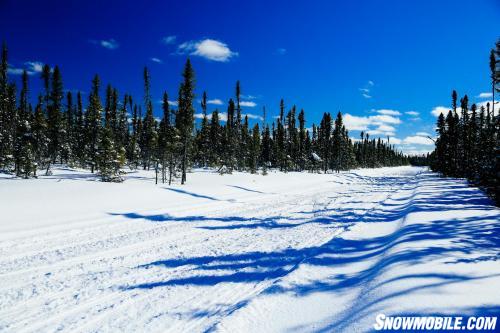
[373,60]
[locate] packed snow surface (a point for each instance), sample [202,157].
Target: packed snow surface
[243,253]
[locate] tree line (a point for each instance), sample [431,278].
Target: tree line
[105,137]
[467,143]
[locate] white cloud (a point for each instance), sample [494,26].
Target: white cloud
[110,44]
[436,111]
[425,134]
[356,123]
[379,132]
[215,101]
[157,60]
[253,116]
[388,112]
[15,71]
[222,116]
[249,96]
[394,140]
[173,103]
[249,104]
[207,48]
[32,67]
[415,151]
[484,103]
[281,51]
[386,128]
[419,140]
[381,119]
[412,113]
[365,92]
[485,95]
[167,40]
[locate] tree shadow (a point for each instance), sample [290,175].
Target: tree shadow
[454,239]
[247,189]
[195,195]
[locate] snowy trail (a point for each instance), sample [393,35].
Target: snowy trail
[302,252]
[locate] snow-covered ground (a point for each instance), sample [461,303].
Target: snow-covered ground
[238,253]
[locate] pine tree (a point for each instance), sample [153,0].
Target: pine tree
[67,130]
[40,140]
[54,115]
[184,121]
[23,146]
[216,136]
[4,115]
[149,135]
[204,134]
[337,144]
[108,160]
[93,124]
[167,143]
[229,140]
[254,149]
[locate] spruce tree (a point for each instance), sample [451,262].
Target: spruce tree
[93,124]
[254,149]
[184,121]
[39,130]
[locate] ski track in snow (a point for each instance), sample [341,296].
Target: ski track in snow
[285,252]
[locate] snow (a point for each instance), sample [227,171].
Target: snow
[241,252]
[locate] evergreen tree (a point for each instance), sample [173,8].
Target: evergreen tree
[40,140]
[23,145]
[55,130]
[215,135]
[149,135]
[108,160]
[93,125]
[254,149]
[184,121]
[167,143]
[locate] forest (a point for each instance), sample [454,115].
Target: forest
[467,144]
[62,129]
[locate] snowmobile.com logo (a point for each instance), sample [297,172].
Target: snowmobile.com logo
[434,323]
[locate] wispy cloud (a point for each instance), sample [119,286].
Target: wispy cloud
[215,101]
[210,49]
[31,67]
[423,134]
[366,90]
[250,97]
[485,95]
[157,60]
[412,113]
[168,40]
[173,103]
[280,51]
[110,44]
[248,104]
[388,112]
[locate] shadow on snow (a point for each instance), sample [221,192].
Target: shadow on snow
[464,236]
